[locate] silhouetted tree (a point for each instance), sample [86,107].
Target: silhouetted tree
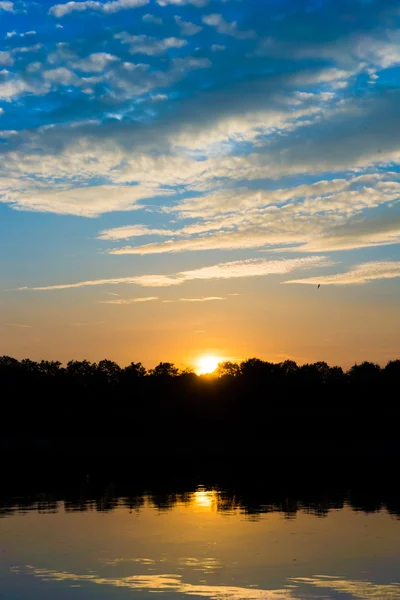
[227,368]
[367,373]
[135,370]
[109,370]
[164,369]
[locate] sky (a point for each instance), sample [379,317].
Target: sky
[178,176]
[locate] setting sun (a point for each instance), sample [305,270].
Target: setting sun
[207,364]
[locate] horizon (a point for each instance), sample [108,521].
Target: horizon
[200,178]
[205,366]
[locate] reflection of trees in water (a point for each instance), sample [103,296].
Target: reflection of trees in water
[253,503]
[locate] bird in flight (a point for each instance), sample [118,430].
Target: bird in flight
[319,285]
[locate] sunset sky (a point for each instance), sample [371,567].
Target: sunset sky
[178,176]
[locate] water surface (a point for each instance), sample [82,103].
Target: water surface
[203,542]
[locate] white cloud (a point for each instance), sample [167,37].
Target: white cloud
[362,273]
[7,6]
[152,19]
[96,62]
[128,231]
[198,3]
[60,75]
[217,47]
[127,301]
[18,87]
[11,34]
[241,268]
[60,10]
[226,27]
[89,201]
[219,241]
[159,97]
[186,27]
[6,60]
[326,215]
[144,44]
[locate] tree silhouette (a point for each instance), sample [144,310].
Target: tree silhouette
[164,369]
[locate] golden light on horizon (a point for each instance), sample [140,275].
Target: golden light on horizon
[207,364]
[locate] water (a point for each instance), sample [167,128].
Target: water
[201,542]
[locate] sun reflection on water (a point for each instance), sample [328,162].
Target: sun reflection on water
[204,499]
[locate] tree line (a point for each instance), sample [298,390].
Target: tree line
[251,406]
[110,373]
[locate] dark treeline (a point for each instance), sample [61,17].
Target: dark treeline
[248,407]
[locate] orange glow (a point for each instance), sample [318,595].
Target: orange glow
[207,364]
[204,499]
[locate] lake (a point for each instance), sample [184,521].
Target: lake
[96,536]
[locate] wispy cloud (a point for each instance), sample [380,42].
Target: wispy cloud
[19,325]
[226,27]
[7,6]
[198,3]
[60,10]
[186,27]
[82,201]
[206,299]
[241,268]
[144,44]
[129,300]
[359,274]
[148,18]
[128,231]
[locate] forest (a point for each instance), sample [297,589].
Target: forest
[251,407]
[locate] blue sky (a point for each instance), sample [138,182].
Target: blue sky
[178,151]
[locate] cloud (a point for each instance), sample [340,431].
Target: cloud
[326,215]
[19,325]
[60,10]
[198,3]
[144,44]
[82,201]
[11,34]
[130,300]
[128,231]
[362,273]
[241,268]
[11,87]
[220,241]
[7,6]
[206,299]
[152,19]
[217,47]
[96,62]
[186,27]
[60,75]
[227,28]
[6,59]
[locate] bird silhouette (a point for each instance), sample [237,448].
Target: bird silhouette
[319,285]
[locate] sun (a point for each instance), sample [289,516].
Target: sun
[207,364]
